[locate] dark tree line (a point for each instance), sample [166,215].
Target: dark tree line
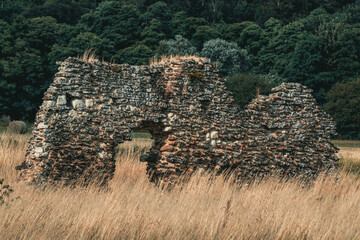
[257,44]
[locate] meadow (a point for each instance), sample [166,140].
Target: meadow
[202,208]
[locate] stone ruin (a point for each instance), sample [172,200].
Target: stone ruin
[91,107]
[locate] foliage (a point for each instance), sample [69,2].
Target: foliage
[64,11]
[179,45]
[227,56]
[151,34]
[158,11]
[118,23]
[245,87]
[203,34]
[344,106]
[136,54]
[317,51]
[190,25]
[87,40]
[313,42]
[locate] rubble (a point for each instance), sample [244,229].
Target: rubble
[90,108]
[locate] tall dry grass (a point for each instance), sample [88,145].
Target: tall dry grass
[89,56]
[164,58]
[350,160]
[203,208]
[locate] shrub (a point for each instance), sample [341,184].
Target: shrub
[245,87]
[344,106]
[179,45]
[5,119]
[228,57]
[18,127]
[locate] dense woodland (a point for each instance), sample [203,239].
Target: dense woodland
[255,43]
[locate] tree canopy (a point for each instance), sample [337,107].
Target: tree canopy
[313,42]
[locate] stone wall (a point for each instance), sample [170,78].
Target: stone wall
[90,108]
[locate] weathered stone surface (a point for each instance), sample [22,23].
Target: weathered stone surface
[61,100]
[89,103]
[49,104]
[78,104]
[191,116]
[214,135]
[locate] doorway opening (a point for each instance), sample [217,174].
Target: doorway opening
[136,158]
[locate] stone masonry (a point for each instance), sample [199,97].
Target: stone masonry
[91,107]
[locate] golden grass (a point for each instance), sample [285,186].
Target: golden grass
[165,59]
[132,208]
[350,154]
[350,159]
[89,56]
[12,152]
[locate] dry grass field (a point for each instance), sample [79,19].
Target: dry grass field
[133,208]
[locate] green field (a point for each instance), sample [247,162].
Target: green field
[145,134]
[347,143]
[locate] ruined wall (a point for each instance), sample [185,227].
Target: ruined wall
[92,107]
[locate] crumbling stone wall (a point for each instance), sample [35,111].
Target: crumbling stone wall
[90,108]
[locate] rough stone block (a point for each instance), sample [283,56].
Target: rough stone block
[89,103]
[61,100]
[78,104]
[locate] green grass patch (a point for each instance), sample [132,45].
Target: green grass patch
[141,135]
[347,143]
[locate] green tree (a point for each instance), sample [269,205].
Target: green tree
[251,40]
[177,22]
[234,30]
[24,72]
[344,106]
[11,9]
[158,11]
[88,5]
[152,34]
[115,22]
[103,47]
[60,53]
[275,56]
[5,39]
[64,11]
[64,32]
[136,55]
[7,90]
[39,33]
[341,48]
[245,87]
[179,45]
[25,68]
[189,27]
[227,56]
[203,34]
